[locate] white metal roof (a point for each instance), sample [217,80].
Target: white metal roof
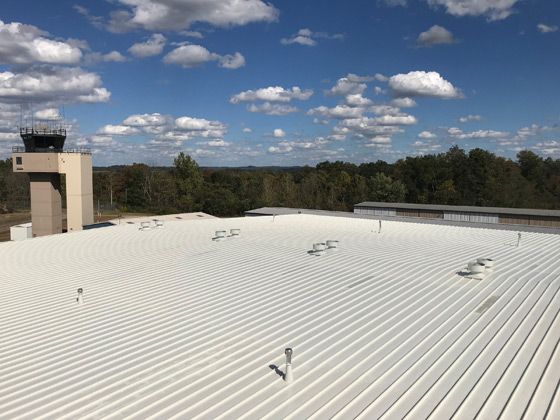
[165,218]
[175,325]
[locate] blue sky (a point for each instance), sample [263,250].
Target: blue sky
[291,82]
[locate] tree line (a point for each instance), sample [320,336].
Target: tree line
[456,177]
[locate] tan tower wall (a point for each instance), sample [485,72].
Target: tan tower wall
[79,188]
[46,205]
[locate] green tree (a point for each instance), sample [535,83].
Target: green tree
[445,192]
[532,167]
[189,182]
[383,189]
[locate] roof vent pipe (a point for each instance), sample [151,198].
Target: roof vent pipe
[488,263]
[289,375]
[475,267]
[476,276]
[80,298]
[319,248]
[220,235]
[332,245]
[235,232]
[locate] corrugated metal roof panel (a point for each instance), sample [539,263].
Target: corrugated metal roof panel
[175,325]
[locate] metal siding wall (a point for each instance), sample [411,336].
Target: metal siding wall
[382,211]
[484,218]
[431,214]
[513,219]
[407,213]
[544,221]
[456,216]
[375,211]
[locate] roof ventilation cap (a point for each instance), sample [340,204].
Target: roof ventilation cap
[145,226]
[319,248]
[80,298]
[488,262]
[235,232]
[220,235]
[475,267]
[159,224]
[476,276]
[332,245]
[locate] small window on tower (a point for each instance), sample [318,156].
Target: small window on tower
[19,160]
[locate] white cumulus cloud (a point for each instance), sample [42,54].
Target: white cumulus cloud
[153,46]
[347,86]
[188,56]
[272,109]
[471,118]
[426,135]
[423,84]
[272,94]
[148,120]
[492,9]
[545,29]
[436,35]
[118,130]
[338,112]
[48,114]
[357,100]
[26,44]
[404,102]
[279,133]
[457,133]
[308,37]
[231,61]
[157,15]
[95,57]
[47,83]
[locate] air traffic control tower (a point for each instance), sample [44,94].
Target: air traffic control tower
[44,159]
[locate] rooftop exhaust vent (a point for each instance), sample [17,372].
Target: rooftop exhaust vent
[289,375]
[159,224]
[488,262]
[332,245]
[319,248]
[145,226]
[80,298]
[220,235]
[235,233]
[479,268]
[475,267]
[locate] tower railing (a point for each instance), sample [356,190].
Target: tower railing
[83,150]
[23,131]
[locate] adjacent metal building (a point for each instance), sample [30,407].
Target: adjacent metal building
[173,324]
[527,217]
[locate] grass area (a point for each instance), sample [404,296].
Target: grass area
[11,219]
[110,215]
